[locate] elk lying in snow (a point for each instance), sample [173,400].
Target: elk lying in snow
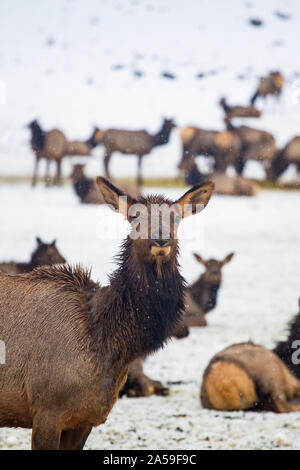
[272,84]
[139,143]
[44,254]
[224,184]
[289,350]
[223,146]
[201,296]
[290,154]
[138,384]
[249,377]
[69,341]
[53,146]
[238,111]
[255,145]
[87,191]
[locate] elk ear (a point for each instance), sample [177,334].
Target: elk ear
[227,259]
[194,200]
[199,258]
[114,197]
[38,240]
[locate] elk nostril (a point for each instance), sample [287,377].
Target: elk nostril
[161,242]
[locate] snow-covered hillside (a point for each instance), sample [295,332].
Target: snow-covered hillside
[72,64]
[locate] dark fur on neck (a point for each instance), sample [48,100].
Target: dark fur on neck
[284,349]
[38,137]
[163,135]
[138,311]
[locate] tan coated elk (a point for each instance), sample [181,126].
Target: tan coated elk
[53,146]
[249,377]
[139,143]
[239,111]
[272,84]
[44,254]
[70,341]
[223,146]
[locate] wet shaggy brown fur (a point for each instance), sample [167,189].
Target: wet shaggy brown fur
[272,84]
[249,377]
[139,143]
[223,146]
[255,145]
[238,111]
[69,341]
[44,254]
[53,146]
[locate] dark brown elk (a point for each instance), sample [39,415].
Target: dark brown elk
[87,191]
[223,146]
[53,146]
[255,145]
[272,84]
[201,296]
[224,184]
[249,377]
[289,350]
[239,111]
[44,254]
[139,143]
[290,154]
[69,342]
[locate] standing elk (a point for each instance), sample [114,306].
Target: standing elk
[290,154]
[223,146]
[53,146]
[201,296]
[87,191]
[249,377]
[255,145]
[69,341]
[272,84]
[139,143]
[44,254]
[238,111]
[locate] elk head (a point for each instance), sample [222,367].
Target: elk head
[213,271]
[46,254]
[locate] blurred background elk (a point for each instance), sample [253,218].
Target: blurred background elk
[271,85]
[238,110]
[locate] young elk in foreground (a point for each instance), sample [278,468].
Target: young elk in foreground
[69,341]
[201,296]
[44,255]
[249,377]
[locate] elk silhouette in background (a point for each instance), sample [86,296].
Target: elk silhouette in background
[86,188]
[139,143]
[249,377]
[71,341]
[272,84]
[256,145]
[223,146]
[201,296]
[289,155]
[44,254]
[238,111]
[53,146]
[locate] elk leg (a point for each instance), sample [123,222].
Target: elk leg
[45,433]
[47,172]
[74,439]
[239,165]
[57,179]
[34,177]
[139,174]
[106,163]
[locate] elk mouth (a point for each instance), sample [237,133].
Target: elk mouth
[160,250]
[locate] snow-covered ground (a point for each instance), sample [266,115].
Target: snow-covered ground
[71,64]
[259,295]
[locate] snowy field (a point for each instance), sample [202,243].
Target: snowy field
[75,64]
[258,297]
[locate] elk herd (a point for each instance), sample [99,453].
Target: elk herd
[74,346]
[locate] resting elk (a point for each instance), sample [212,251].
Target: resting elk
[69,341]
[238,111]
